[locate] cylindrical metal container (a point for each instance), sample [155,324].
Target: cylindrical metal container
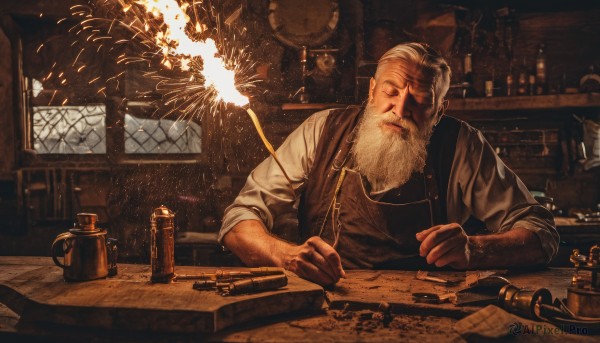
[162,245]
[583,302]
[523,302]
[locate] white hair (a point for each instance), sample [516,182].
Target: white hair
[428,59]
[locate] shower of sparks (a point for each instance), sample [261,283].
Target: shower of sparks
[175,41]
[202,65]
[197,64]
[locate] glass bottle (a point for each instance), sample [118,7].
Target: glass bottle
[531,82]
[468,70]
[523,79]
[510,82]
[540,71]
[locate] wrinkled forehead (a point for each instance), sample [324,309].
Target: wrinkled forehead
[401,72]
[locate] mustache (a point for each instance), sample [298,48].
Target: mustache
[405,123]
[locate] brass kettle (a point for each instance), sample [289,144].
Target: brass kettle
[84,249]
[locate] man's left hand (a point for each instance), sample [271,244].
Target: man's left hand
[445,245]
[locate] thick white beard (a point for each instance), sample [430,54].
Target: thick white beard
[388,158]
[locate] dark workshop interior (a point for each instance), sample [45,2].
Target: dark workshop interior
[95,118]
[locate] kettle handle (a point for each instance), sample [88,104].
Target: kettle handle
[59,238]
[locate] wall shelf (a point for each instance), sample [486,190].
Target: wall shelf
[310,106]
[540,102]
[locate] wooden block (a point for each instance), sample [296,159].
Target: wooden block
[34,289]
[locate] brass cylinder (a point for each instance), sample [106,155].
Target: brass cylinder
[523,301]
[583,302]
[162,245]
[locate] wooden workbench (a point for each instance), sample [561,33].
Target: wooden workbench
[128,307]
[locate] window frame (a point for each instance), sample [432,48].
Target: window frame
[114,136]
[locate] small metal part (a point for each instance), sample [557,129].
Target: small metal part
[262,271]
[424,276]
[257,284]
[232,275]
[205,285]
[577,281]
[112,250]
[577,259]
[523,302]
[583,297]
[432,298]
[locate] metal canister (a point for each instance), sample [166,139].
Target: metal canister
[162,245]
[524,302]
[84,250]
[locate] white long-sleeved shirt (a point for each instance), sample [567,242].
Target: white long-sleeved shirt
[480,184]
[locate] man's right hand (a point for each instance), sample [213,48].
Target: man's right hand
[315,260]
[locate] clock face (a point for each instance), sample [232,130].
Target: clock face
[307,23]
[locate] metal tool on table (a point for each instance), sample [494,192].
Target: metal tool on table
[425,276]
[84,249]
[482,289]
[582,307]
[433,298]
[232,274]
[524,302]
[583,297]
[162,245]
[249,285]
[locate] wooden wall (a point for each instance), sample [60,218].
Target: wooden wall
[127,192]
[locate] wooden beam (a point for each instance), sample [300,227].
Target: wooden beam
[525,102]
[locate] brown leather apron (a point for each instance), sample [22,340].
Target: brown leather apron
[374,231]
[370,233]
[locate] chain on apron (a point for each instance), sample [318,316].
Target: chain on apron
[374,230]
[336,226]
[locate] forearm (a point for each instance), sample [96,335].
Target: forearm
[516,247]
[251,242]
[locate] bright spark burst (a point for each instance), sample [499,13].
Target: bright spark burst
[215,72]
[198,65]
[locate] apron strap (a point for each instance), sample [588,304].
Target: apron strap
[433,195]
[335,205]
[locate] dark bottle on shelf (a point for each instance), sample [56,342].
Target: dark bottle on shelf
[510,82]
[531,82]
[522,82]
[540,71]
[468,71]
[490,84]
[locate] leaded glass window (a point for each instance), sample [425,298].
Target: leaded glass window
[154,136]
[69,129]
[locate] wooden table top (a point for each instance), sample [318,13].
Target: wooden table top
[129,302]
[34,288]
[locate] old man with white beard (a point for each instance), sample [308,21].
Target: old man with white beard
[396,184]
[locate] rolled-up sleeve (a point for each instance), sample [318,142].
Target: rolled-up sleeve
[267,195]
[481,185]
